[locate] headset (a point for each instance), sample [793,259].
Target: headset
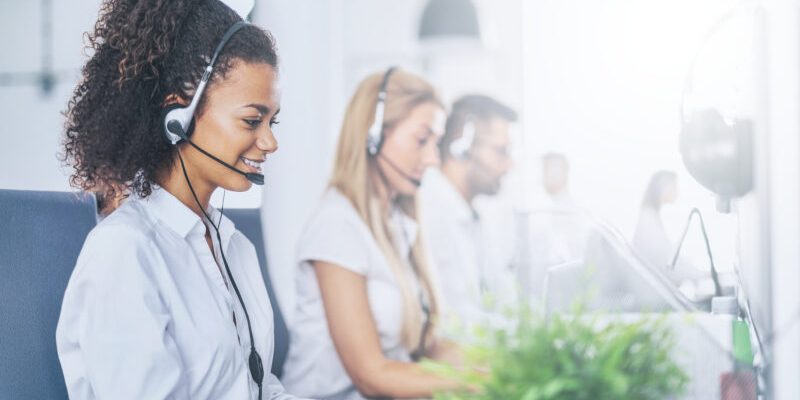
[178,125]
[375,133]
[179,120]
[460,147]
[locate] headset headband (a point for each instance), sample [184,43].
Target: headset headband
[184,115]
[375,137]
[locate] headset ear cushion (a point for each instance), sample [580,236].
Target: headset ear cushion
[165,114]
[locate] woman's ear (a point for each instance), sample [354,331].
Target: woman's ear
[174,111]
[174,99]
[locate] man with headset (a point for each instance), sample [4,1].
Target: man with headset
[475,157]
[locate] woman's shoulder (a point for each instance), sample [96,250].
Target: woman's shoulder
[120,259]
[335,233]
[122,238]
[129,221]
[335,207]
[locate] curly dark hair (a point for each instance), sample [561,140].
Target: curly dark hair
[143,52]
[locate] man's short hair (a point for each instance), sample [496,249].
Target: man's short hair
[471,108]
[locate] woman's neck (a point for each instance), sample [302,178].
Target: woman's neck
[175,183]
[386,195]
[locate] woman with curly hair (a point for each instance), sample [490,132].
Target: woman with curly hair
[167,299]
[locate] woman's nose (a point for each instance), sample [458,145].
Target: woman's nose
[266,141]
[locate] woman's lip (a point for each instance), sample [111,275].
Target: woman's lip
[250,168]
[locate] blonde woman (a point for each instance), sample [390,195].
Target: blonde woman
[366,305]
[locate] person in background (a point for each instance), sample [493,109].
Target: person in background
[366,299]
[475,159]
[555,179]
[157,306]
[557,226]
[650,238]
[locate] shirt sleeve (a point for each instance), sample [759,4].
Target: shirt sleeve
[120,322]
[335,235]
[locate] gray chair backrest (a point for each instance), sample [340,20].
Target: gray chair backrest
[41,236]
[248,221]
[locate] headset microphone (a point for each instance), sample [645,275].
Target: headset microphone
[416,182]
[176,128]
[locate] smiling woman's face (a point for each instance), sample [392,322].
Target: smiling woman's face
[236,126]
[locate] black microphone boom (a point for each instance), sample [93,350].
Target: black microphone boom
[414,181]
[714,276]
[253,177]
[176,128]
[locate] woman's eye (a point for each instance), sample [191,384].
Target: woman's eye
[253,122]
[274,122]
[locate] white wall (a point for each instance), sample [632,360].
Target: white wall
[32,125]
[779,139]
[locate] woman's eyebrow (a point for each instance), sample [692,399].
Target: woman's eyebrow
[264,109]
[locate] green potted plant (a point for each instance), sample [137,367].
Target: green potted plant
[575,357]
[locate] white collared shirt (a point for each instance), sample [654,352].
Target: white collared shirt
[147,313]
[469,273]
[335,233]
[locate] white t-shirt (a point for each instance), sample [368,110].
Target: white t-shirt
[336,234]
[147,313]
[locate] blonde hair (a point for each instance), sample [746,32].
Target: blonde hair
[351,176]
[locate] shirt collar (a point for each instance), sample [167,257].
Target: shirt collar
[225,225]
[181,219]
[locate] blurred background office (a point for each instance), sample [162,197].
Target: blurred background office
[603,89]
